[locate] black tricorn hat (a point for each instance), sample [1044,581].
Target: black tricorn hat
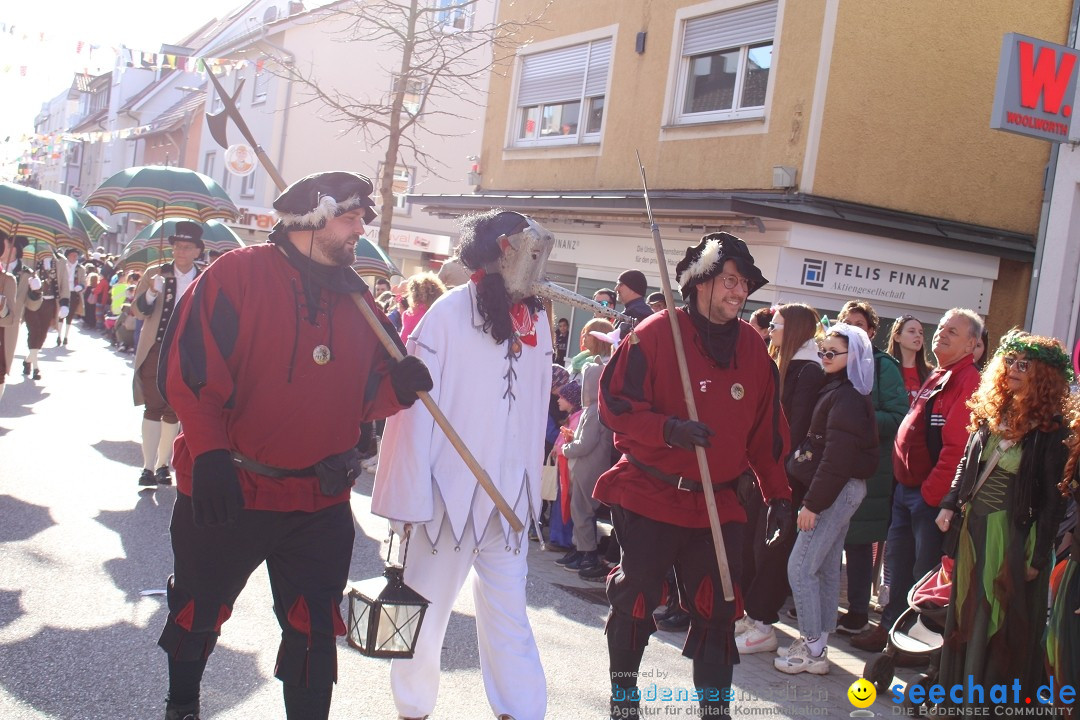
[310,202]
[188,231]
[706,260]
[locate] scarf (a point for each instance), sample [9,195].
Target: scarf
[316,276]
[718,341]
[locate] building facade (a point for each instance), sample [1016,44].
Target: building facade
[848,143]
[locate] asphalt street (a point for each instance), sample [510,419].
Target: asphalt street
[84,558]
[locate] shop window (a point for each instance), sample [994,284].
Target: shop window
[725,64]
[561,95]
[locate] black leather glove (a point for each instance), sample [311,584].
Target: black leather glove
[779,523]
[408,377]
[686,433]
[216,498]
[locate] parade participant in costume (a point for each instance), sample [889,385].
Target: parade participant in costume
[54,305]
[271,417]
[19,290]
[73,280]
[1063,626]
[655,492]
[1006,499]
[490,356]
[156,296]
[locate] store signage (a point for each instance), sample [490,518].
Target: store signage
[254,218]
[1036,88]
[857,278]
[240,159]
[412,240]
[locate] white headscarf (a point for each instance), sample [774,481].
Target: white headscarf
[860,364]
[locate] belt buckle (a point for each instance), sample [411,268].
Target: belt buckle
[680,484]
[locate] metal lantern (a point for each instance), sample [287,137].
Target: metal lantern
[385,614]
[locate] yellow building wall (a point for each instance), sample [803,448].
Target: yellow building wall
[635,106]
[907,112]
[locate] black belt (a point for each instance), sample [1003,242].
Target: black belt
[269,470]
[678,481]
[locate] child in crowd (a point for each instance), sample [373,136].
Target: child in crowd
[588,455]
[560,535]
[839,453]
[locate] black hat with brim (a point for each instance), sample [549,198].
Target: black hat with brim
[187,231]
[309,203]
[705,261]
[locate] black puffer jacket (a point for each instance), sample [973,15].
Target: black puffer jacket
[843,433]
[802,386]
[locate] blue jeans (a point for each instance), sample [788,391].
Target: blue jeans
[912,549]
[814,564]
[860,577]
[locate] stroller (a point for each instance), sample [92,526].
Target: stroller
[918,634]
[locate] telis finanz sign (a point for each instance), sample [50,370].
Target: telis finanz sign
[1036,88]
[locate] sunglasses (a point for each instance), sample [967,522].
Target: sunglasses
[605,303]
[776,326]
[1021,365]
[830,354]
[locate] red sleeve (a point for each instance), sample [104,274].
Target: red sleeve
[768,445]
[199,381]
[626,391]
[954,437]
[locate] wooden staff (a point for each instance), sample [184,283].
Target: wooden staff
[688,396]
[372,320]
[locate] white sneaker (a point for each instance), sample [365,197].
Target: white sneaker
[799,660]
[756,640]
[783,651]
[744,625]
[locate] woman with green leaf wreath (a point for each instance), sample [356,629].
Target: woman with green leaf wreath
[1006,499]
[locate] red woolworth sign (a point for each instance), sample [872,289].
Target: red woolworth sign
[1036,88]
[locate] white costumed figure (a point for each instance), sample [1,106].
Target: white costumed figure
[489,351]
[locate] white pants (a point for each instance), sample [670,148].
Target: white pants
[510,663]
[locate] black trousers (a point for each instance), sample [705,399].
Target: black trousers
[635,589]
[769,590]
[307,558]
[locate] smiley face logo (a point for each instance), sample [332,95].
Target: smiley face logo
[862,693]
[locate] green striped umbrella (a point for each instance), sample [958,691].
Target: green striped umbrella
[216,236]
[147,257]
[372,261]
[161,192]
[43,216]
[95,228]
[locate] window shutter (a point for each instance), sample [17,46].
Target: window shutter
[553,76]
[599,65]
[744,26]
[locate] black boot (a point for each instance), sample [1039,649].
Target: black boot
[623,666]
[304,703]
[26,369]
[714,682]
[187,711]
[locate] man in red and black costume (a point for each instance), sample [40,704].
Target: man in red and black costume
[272,369]
[657,503]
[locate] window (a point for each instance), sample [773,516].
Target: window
[561,95]
[208,164]
[725,63]
[414,93]
[261,85]
[452,15]
[402,186]
[225,176]
[247,186]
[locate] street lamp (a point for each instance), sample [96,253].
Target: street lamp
[385,614]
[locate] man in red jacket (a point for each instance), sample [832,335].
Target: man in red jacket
[272,370]
[655,493]
[926,452]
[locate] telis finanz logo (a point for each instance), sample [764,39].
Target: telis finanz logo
[813,272]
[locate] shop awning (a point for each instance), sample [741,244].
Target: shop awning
[712,209]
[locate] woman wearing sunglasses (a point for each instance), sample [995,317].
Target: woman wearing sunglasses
[1006,499]
[840,452]
[906,344]
[792,345]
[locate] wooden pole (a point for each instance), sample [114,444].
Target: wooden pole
[688,396]
[384,338]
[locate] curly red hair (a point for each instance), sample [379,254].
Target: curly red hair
[1072,417]
[1039,405]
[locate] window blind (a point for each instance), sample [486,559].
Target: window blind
[731,29]
[564,74]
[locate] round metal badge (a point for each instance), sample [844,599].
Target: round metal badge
[321,354]
[738,391]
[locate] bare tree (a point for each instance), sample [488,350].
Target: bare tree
[435,51]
